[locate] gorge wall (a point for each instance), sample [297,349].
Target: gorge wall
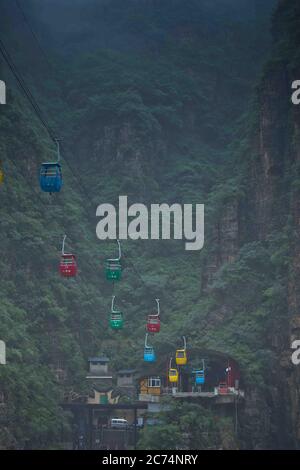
[161,113]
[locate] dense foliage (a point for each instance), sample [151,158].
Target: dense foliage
[152,100]
[188,426]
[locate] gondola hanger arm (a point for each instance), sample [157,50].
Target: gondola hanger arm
[113,303]
[120,252]
[58,150]
[158,307]
[63,245]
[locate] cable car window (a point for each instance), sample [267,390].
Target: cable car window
[180,353]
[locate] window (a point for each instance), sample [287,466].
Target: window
[154,382]
[180,354]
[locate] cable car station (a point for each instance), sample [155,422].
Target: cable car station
[134,396]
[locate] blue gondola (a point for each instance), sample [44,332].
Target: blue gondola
[149,354]
[51,175]
[200,374]
[199,377]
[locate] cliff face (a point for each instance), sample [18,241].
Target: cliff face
[270,148]
[253,273]
[159,121]
[294,281]
[274,198]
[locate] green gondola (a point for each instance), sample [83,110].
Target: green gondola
[113,267]
[116,321]
[113,270]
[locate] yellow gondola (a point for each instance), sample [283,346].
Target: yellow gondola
[181,356]
[173,375]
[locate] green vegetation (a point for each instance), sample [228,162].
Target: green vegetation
[154,107]
[188,426]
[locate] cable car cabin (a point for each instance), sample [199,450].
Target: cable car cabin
[113,270]
[153,324]
[173,375]
[181,357]
[199,377]
[149,354]
[116,321]
[51,177]
[223,388]
[68,265]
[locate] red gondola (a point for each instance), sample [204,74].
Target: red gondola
[153,322]
[68,263]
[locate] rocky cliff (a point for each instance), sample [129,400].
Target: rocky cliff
[161,113]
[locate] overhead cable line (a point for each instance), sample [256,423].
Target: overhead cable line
[38,112]
[75,175]
[46,57]
[5,54]
[26,21]
[43,121]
